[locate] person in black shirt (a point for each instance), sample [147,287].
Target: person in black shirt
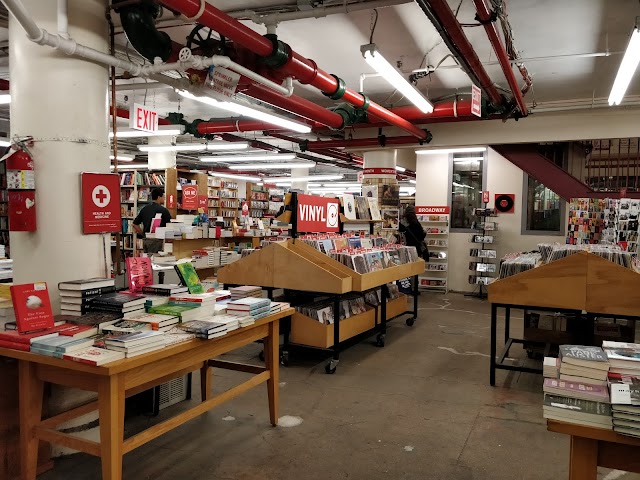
[413,231]
[146,216]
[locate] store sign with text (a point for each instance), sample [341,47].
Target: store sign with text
[485,196]
[143,118]
[100,203]
[476,101]
[429,210]
[189,197]
[203,202]
[380,172]
[317,214]
[223,81]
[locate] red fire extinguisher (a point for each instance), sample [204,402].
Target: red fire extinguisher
[21,185]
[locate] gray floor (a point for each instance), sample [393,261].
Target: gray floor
[420,408]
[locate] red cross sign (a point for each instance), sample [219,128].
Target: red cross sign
[100,203]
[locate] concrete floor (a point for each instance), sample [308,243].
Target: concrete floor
[420,408]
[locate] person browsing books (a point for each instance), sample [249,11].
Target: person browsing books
[413,231]
[142,223]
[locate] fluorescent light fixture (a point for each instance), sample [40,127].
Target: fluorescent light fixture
[468,159]
[248,178]
[412,181]
[438,151]
[627,68]
[462,185]
[193,147]
[310,185]
[5,142]
[400,169]
[123,157]
[248,158]
[312,178]
[132,166]
[395,78]
[163,130]
[249,111]
[5,99]
[272,166]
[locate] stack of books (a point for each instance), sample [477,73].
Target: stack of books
[231,321]
[205,330]
[59,346]
[94,356]
[624,383]
[204,302]
[155,321]
[93,323]
[582,398]
[76,295]
[121,303]
[22,341]
[254,308]
[134,344]
[125,326]
[164,290]
[185,313]
[277,307]
[245,291]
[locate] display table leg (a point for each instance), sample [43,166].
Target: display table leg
[111,396]
[30,394]
[507,324]
[205,381]
[272,361]
[492,352]
[583,459]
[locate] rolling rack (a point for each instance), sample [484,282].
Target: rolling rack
[480,225]
[295,266]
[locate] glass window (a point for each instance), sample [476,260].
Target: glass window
[466,188]
[544,209]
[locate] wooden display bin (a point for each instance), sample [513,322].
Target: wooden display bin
[396,307]
[307,331]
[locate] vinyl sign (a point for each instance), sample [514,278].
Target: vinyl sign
[100,203]
[143,118]
[189,197]
[433,210]
[317,214]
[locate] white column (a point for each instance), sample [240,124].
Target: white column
[61,102]
[300,172]
[379,160]
[161,160]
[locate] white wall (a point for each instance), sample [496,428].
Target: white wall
[501,177]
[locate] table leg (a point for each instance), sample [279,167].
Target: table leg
[31,392]
[272,361]
[507,324]
[583,459]
[205,381]
[111,396]
[492,352]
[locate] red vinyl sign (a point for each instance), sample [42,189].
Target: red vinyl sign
[203,202]
[318,214]
[189,197]
[100,203]
[431,210]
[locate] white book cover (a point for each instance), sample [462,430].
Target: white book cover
[349,206]
[374,208]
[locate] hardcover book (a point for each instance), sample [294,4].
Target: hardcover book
[118,300]
[94,356]
[584,356]
[139,273]
[84,294]
[32,307]
[189,277]
[87,284]
[577,405]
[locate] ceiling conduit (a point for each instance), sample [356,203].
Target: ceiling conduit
[287,62]
[380,141]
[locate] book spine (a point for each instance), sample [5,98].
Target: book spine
[157,291]
[97,291]
[99,307]
[578,404]
[14,345]
[79,360]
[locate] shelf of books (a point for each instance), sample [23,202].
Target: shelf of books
[436,226]
[258,200]
[223,200]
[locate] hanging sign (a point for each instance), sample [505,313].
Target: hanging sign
[360,175]
[485,196]
[444,210]
[317,214]
[223,81]
[171,201]
[143,118]
[189,197]
[380,172]
[476,101]
[203,201]
[100,203]
[245,209]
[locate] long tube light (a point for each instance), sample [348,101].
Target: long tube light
[249,112]
[248,178]
[194,147]
[5,142]
[438,151]
[395,78]
[247,158]
[272,166]
[400,169]
[123,157]
[163,130]
[627,68]
[5,99]
[133,166]
[311,178]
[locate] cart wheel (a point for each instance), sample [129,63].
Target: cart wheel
[380,340]
[284,358]
[330,368]
[410,321]
[261,355]
[530,354]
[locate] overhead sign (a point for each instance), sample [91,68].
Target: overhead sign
[143,118]
[190,197]
[100,203]
[433,210]
[317,214]
[203,202]
[223,81]
[476,101]
[380,172]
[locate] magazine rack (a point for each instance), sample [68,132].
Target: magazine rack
[582,282]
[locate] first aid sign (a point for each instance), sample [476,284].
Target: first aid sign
[143,118]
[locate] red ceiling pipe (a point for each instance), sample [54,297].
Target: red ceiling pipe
[485,16]
[455,108]
[361,142]
[304,69]
[124,113]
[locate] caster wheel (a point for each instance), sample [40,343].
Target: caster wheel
[284,359]
[410,321]
[380,340]
[329,369]
[261,355]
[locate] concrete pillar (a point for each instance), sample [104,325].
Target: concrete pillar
[162,160]
[300,172]
[380,170]
[61,102]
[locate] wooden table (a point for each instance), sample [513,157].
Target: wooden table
[117,380]
[594,447]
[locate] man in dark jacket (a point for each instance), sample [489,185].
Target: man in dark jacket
[413,231]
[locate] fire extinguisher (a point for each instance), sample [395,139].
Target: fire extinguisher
[21,186]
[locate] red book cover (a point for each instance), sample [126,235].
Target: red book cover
[32,306]
[79,331]
[15,346]
[139,273]
[17,337]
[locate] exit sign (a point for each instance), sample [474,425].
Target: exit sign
[143,118]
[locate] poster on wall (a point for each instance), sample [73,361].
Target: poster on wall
[390,218]
[189,197]
[505,202]
[391,195]
[100,203]
[370,191]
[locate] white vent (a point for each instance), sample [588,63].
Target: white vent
[173,392]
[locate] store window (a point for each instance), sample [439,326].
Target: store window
[466,188]
[543,210]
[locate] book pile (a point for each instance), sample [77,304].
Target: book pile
[245,291]
[185,313]
[58,346]
[6,267]
[205,330]
[125,326]
[154,320]
[228,256]
[164,290]
[277,307]
[624,383]
[580,396]
[177,335]
[22,341]
[137,343]
[91,323]
[120,303]
[94,356]
[7,316]
[231,321]
[251,306]
[204,302]
[76,295]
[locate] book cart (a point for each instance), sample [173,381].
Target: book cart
[582,285]
[293,265]
[435,222]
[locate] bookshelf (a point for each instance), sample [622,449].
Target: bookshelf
[436,273]
[222,200]
[258,200]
